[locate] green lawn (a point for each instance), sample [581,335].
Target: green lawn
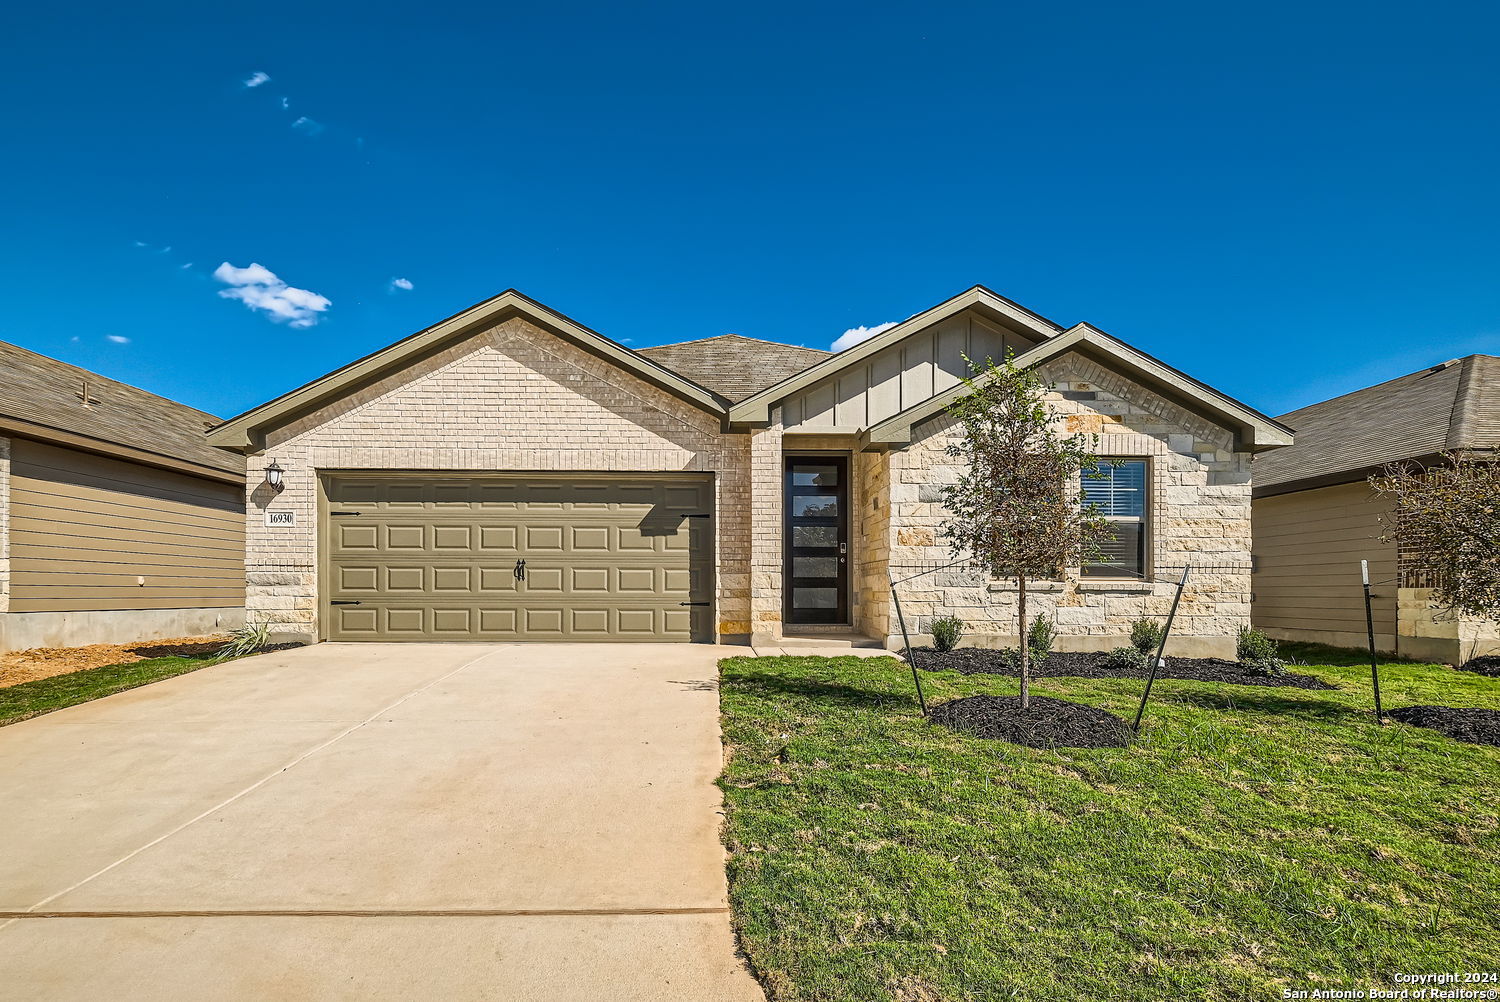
[1253,839]
[30,699]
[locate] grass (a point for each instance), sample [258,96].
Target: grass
[1250,840]
[32,699]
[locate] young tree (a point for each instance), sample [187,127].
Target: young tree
[1445,521]
[1017,509]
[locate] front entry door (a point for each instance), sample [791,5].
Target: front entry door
[816,543]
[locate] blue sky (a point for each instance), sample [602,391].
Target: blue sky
[1286,201]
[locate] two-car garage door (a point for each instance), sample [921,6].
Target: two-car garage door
[518,558]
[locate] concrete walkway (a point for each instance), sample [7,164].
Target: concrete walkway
[376,822]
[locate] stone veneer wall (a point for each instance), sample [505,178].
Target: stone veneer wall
[765,531]
[872,545]
[1425,633]
[512,398]
[1198,512]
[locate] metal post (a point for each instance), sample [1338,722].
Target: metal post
[921,699]
[1364,574]
[1160,650]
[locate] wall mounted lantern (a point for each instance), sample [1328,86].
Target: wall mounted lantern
[273,477]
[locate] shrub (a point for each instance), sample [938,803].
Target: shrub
[946,633]
[1258,652]
[246,640]
[1039,639]
[1253,645]
[1126,658]
[1145,635]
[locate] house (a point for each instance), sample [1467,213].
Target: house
[508,474]
[118,522]
[1316,516]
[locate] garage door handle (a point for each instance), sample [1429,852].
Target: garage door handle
[346,602]
[520,571]
[692,603]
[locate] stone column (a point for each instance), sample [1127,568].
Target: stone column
[765,532]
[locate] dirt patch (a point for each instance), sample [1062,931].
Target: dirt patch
[44,662]
[1049,723]
[1489,665]
[978,660]
[1480,727]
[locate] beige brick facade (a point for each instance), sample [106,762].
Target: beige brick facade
[1199,513]
[514,398]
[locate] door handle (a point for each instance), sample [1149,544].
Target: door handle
[520,571]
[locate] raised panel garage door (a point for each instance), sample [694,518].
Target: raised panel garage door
[512,558]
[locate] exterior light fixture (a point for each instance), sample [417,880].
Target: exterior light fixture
[273,477]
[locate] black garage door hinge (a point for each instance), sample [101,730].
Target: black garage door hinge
[692,603]
[345,602]
[346,513]
[703,514]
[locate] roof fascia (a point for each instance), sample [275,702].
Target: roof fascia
[757,407]
[1255,430]
[241,432]
[85,443]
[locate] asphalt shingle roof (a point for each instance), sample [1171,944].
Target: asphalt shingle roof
[43,391]
[732,365]
[1451,406]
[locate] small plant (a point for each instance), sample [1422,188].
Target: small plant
[1258,652]
[1039,639]
[1145,635]
[1126,658]
[946,633]
[246,640]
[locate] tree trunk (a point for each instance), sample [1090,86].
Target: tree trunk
[1025,647]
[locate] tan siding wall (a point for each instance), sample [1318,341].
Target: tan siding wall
[1308,546]
[84,529]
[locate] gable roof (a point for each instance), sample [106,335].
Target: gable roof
[1255,430]
[757,406]
[39,398]
[1453,406]
[735,366]
[242,432]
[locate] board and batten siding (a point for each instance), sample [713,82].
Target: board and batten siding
[85,530]
[899,377]
[1308,546]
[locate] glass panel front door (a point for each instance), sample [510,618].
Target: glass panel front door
[816,542]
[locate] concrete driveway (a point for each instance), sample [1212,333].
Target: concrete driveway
[376,822]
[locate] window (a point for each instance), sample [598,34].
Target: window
[1119,492]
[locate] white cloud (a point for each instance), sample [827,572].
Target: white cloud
[854,335]
[117,339]
[286,103]
[308,126]
[401,283]
[256,79]
[259,288]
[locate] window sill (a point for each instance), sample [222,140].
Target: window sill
[1133,586]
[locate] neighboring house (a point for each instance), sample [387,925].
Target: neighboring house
[118,522]
[511,475]
[1316,516]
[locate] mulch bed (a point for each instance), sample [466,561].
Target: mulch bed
[982,661]
[1050,723]
[1480,727]
[1489,665]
